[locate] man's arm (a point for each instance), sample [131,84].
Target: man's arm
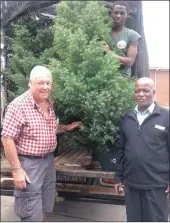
[168,146]
[11,153]
[119,166]
[131,55]
[66,128]
[12,127]
[120,148]
[19,175]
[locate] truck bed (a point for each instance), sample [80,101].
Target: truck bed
[77,176]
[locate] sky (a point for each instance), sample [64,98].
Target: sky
[156,28]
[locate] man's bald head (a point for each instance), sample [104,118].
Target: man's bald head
[146,81]
[144,92]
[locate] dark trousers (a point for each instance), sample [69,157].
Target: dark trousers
[146,205]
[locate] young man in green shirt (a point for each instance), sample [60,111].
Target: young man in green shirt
[126,40]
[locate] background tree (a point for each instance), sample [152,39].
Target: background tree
[30,43]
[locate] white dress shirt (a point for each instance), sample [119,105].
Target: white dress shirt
[142,115]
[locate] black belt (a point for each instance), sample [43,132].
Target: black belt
[35,157]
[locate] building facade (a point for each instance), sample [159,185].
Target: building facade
[161,78]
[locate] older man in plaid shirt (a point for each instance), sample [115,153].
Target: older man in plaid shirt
[29,139]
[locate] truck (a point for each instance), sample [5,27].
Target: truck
[79,176]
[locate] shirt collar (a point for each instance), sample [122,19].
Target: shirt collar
[149,110]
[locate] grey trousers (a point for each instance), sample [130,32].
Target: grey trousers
[39,196]
[146,205]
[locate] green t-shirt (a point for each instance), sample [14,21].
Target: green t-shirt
[122,41]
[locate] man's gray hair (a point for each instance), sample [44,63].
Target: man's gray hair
[38,71]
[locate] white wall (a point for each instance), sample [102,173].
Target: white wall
[156,26]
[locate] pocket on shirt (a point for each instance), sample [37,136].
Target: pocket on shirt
[160,135]
[33,129]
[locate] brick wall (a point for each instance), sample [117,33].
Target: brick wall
[162,86]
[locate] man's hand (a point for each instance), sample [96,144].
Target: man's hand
[20,177]
[119,187]
[73,125]
[168,191]
[106,47]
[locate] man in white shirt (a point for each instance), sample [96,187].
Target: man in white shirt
[141,115]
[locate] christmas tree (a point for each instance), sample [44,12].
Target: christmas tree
[87,83]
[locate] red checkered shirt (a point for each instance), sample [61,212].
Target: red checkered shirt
[32,133]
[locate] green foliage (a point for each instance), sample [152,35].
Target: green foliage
[87,83]
[31,45]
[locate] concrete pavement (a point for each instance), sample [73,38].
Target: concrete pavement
[70,211]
